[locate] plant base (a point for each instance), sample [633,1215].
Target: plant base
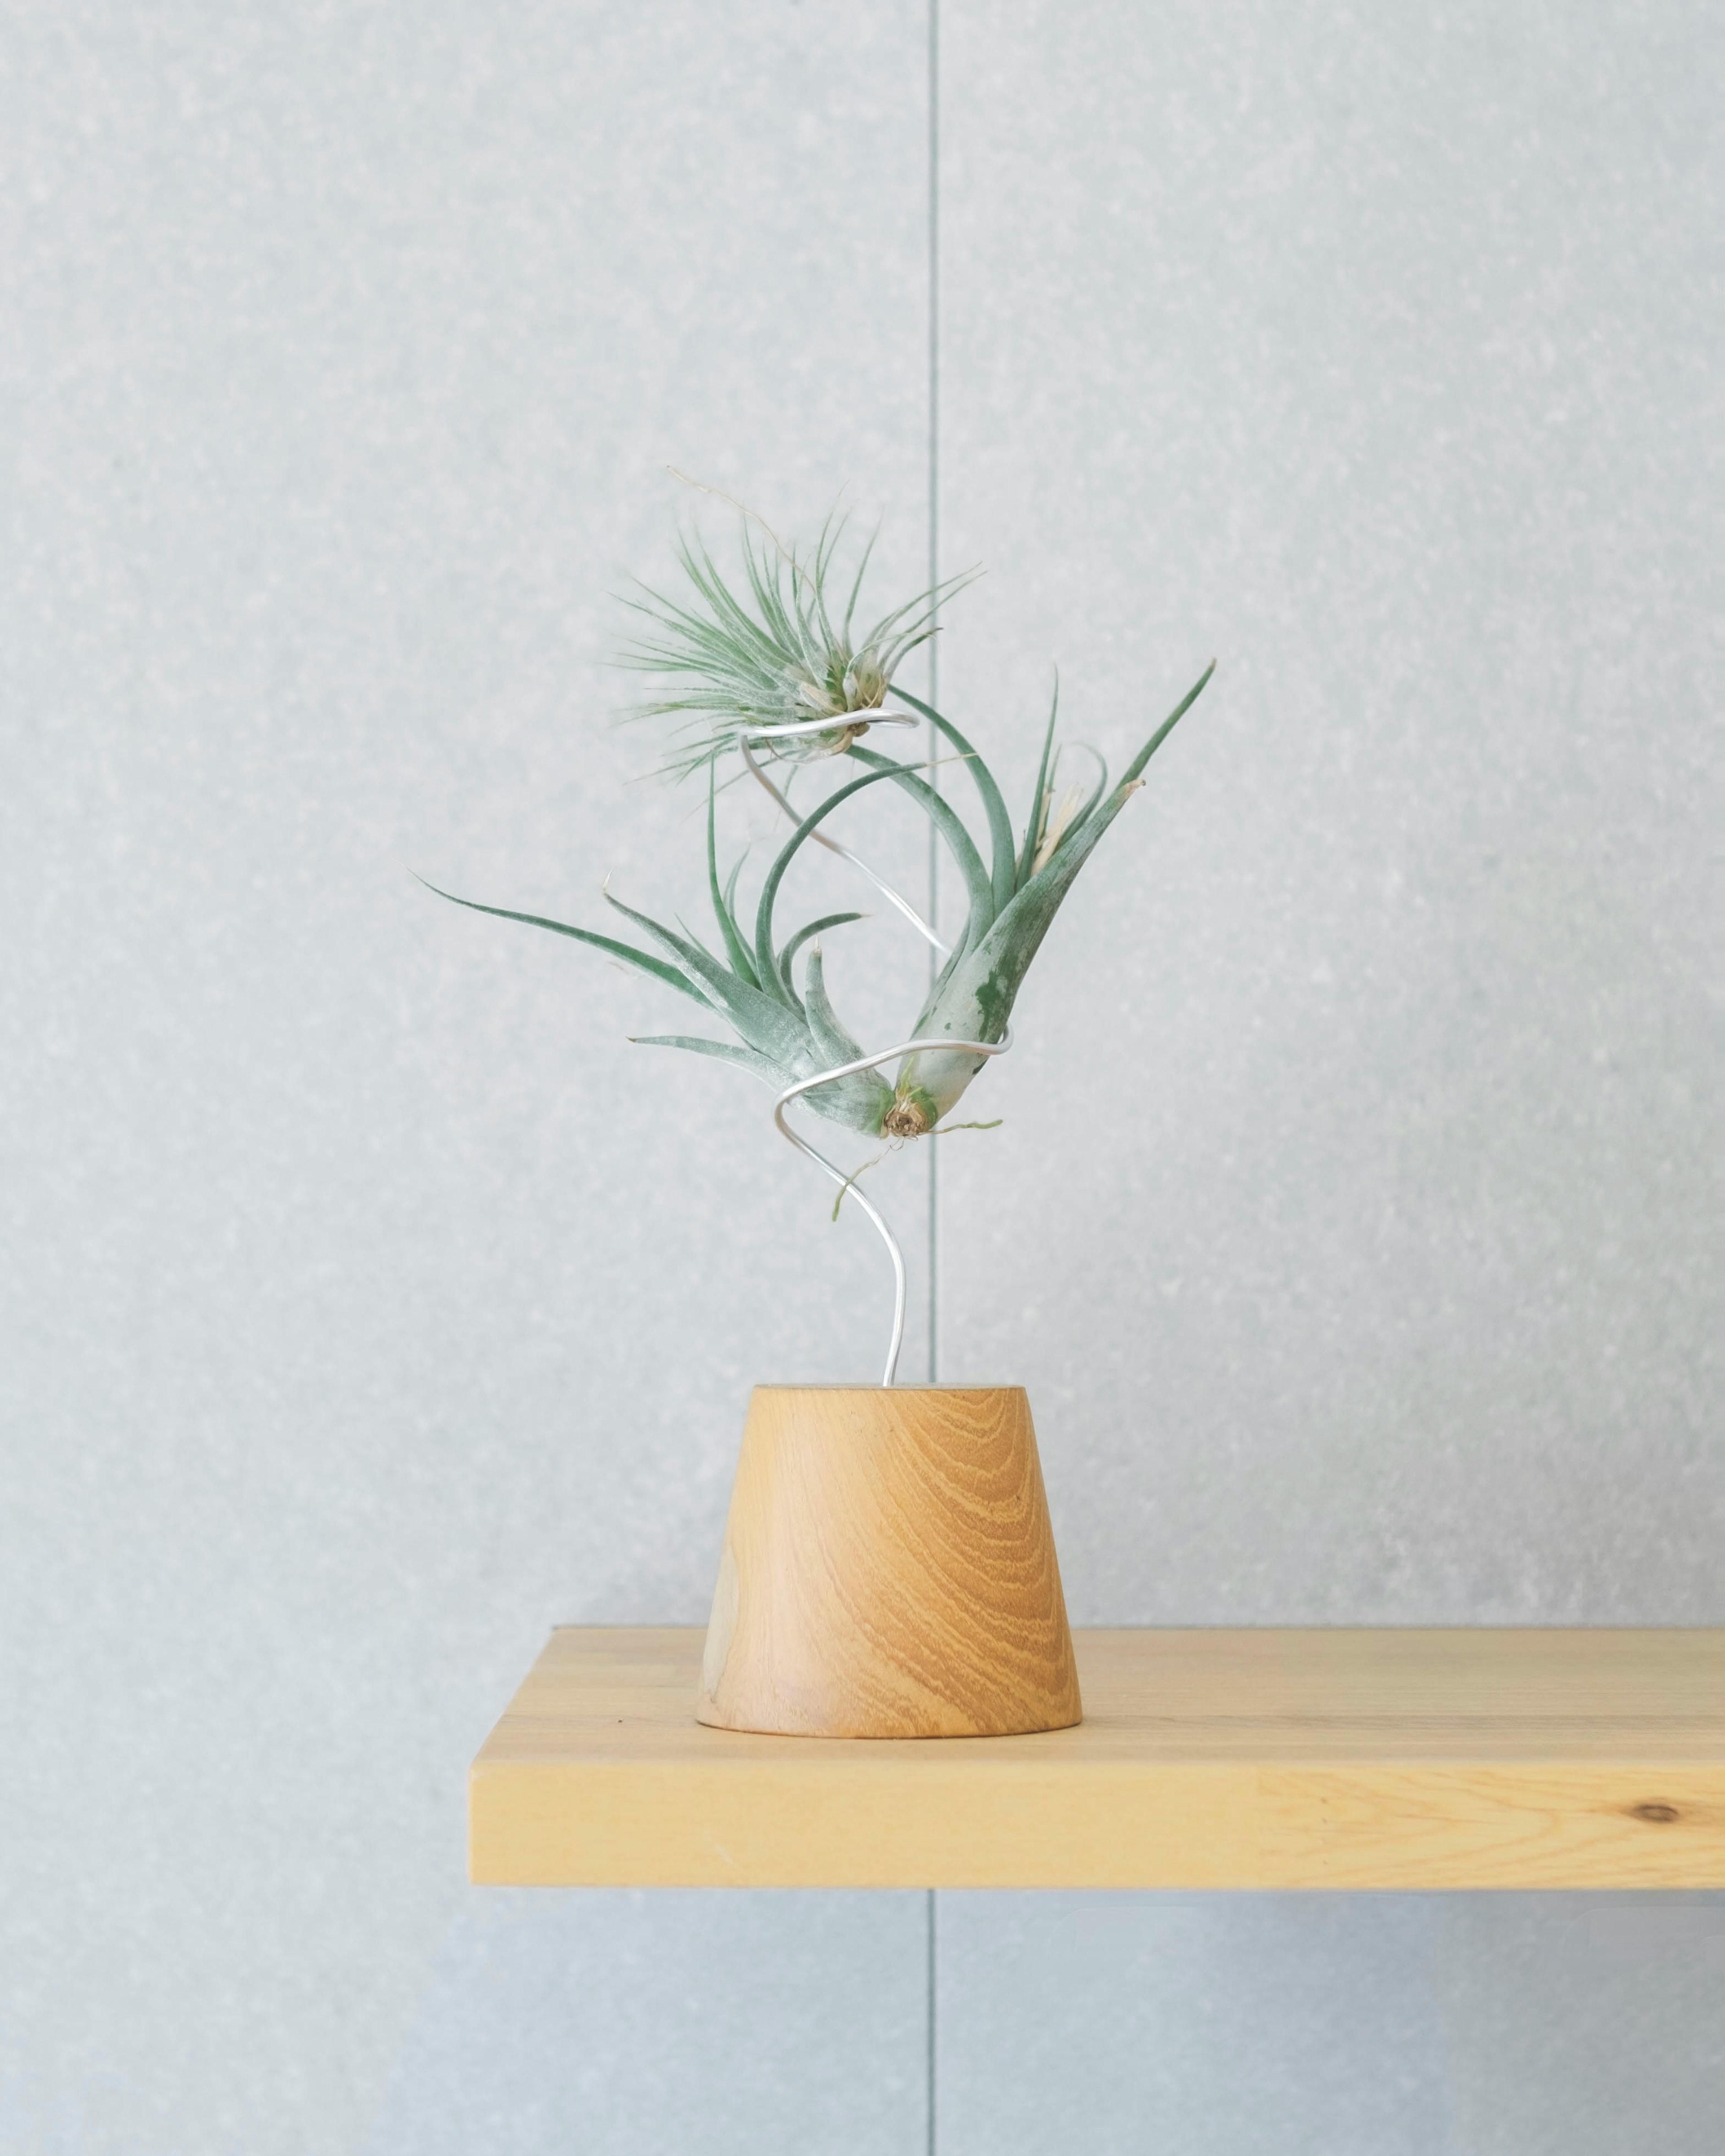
[889,1569]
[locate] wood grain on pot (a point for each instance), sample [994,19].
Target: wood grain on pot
[889,1569]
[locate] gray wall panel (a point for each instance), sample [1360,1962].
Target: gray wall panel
[1355,1219]
[1354,1222]
[1351,1223]
[369,1303]
[1332,2025]
[1580,2024]
[765,2025]
[1247,2024]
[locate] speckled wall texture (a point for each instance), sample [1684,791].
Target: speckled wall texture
[367,1303]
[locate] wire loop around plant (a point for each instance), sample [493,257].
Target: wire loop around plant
[848,1184]
[869,714]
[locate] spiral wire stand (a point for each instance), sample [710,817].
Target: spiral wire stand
[848,1183]
[748,743]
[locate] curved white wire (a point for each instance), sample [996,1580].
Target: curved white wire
[839,1176]
[865,715]
[834,846]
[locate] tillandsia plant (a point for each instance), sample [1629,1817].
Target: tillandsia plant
[770,664]
[772,667]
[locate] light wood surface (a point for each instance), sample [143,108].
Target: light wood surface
[889,1569]
[1206,1759]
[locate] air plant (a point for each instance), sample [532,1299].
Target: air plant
[775,666]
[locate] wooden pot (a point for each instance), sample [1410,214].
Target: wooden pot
[889,1569]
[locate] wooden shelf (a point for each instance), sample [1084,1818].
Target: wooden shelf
[1409,1759]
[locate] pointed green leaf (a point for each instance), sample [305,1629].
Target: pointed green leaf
[806,935]
[1090,803]
[979,884]
[1136,766]
[765,1023]
[644,959]
[727,1051]
[1039,796]
[741,961]
[1003,878]
[974,997]
[764,963]
[863,1098]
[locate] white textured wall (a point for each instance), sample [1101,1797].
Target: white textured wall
[1374,354]
[1351,1221]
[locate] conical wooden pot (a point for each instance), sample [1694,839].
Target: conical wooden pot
[889,1569]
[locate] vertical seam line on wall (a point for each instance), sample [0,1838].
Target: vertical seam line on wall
[934,469]
[933,1996]
[934,571]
